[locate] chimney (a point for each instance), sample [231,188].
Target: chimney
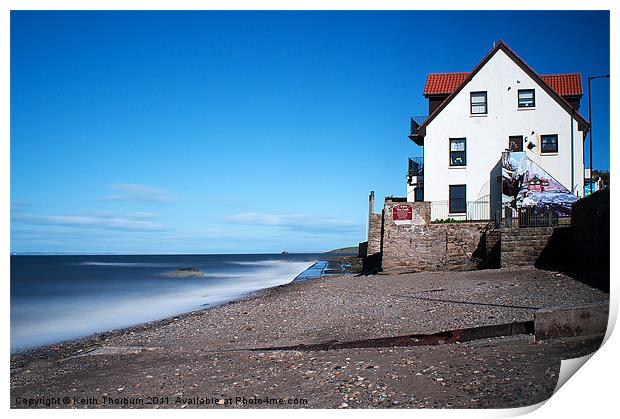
[371,203]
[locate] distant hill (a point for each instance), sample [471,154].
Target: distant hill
[352,249]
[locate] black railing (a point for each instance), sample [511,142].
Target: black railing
[416,121]
[537,217]
[416,166]
[529,217]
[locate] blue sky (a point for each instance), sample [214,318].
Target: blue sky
[226,132]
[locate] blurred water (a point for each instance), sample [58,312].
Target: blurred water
[55,298]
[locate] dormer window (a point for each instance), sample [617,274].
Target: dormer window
[478,101]
[527,98]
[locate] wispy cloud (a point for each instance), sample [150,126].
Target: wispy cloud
[106,221]
[137,192]
[297,222]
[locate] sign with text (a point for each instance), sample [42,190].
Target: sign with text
[402,214]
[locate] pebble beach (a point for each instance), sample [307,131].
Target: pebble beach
[274,348]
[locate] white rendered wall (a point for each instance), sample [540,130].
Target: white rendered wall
[487,135]
[410,193]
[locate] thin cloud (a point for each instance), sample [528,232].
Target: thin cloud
[104,221]
[297,222]
[137,192]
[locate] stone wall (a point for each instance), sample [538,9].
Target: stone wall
[375,226]
[523,246]
[418,246]
[581,245]
[362,250]
[590,232]
[375,222]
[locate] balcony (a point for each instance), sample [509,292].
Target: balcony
[414,135]
[415,174]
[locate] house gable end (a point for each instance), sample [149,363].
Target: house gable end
[568,107]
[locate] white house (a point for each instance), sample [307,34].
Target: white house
[501,105]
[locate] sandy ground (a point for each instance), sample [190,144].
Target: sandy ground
[221,357]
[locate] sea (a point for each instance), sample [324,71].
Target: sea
[58,298]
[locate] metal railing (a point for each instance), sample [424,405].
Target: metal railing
[447,211]
[416,121]
[529,217]
[416,166]
[537,217]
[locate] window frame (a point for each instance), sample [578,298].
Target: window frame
[450,199]
[464,139]
[519,105]
[486,103]
[557,144]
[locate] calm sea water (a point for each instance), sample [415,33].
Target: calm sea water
[56,298]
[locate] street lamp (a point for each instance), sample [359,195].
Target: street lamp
[590,78]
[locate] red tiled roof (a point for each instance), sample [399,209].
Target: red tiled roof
[446,83]
[564,84]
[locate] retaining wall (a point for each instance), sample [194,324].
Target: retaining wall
[523,246]
[418,246]
[590,232]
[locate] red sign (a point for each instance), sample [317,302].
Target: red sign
[402,212]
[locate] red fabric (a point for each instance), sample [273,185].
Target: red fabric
[446,83]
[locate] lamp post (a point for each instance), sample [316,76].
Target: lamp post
[590,78]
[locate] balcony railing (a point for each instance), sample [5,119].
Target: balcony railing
[460,211]
[416,121]
[416,166]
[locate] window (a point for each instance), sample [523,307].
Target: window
[527,98]
[478,103]
[418,194]
[457,203]
[549,143]
[458,152]
[515,143]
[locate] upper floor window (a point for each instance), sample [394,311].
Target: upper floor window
[527,98]
[549,143]
[458,152]
[478,101]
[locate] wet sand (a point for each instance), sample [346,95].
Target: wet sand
[212,357]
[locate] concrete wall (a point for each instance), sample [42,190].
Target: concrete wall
[487,135]
[583,320]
